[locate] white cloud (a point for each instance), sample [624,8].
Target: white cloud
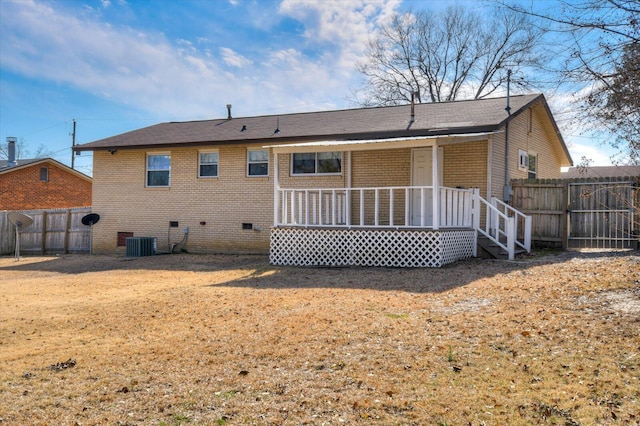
[347,24]
[597,155]
[585,137]
[233,58]
[186,79]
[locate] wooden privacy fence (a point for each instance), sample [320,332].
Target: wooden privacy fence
[581,213]
[52,231]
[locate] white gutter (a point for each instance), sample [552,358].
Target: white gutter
[370,144]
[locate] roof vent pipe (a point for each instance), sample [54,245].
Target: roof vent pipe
[228,111]
[413,107]
[11,158]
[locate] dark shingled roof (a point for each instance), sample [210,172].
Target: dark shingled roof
[431,119]
[21,162]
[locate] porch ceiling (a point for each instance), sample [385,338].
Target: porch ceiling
[377,144]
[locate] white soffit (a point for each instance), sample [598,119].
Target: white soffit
[371,144]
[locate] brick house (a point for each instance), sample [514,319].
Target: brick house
[42,183]
[358,186]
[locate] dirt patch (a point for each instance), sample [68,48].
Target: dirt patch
[195,339]
[627,301]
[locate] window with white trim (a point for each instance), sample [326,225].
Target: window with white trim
[158,169]
[208,164]
[523,160]
[533,166]
[318,163]
[258,162]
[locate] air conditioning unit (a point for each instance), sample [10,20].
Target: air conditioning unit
[140,246]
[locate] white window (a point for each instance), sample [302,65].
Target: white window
[523,160]
[319,163]
[258,162]
[208,164]
[533,166]
[158,169]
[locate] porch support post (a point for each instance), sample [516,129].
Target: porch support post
[276,189]
[476,209]
[347,201]
[435,186]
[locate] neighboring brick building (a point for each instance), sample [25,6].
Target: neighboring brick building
[42,183]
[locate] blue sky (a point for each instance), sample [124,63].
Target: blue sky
[119,65]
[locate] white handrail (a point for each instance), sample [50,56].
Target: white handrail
[498,225]
[502,224]
[520,217]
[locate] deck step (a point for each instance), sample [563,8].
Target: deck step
[494,250]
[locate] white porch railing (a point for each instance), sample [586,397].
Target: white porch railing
[380,207]
[404,207]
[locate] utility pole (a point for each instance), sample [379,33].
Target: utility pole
[73,142]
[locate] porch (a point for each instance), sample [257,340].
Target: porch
[390,226]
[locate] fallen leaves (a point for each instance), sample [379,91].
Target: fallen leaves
[59,366]
[207,340]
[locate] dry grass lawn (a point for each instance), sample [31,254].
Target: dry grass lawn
[231,340]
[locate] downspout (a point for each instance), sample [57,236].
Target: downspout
[413,108]
[489,167]
[507,190]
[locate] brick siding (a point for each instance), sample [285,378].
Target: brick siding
[22,189]
[215,209]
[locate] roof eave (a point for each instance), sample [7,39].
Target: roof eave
[541,99]
[48,160]
[294,139]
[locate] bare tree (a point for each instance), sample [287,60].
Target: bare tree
[616,101]
[598,44]
[446,56]
[42,151]
[22,152]
[21,149]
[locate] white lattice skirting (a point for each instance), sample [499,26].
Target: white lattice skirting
[362,247]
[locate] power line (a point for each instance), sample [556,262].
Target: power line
[46,128]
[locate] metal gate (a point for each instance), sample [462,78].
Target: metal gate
[601,215]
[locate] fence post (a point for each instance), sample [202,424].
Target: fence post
[527,233]
[565,214]
[43,234]
[7,234]
[67,230]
